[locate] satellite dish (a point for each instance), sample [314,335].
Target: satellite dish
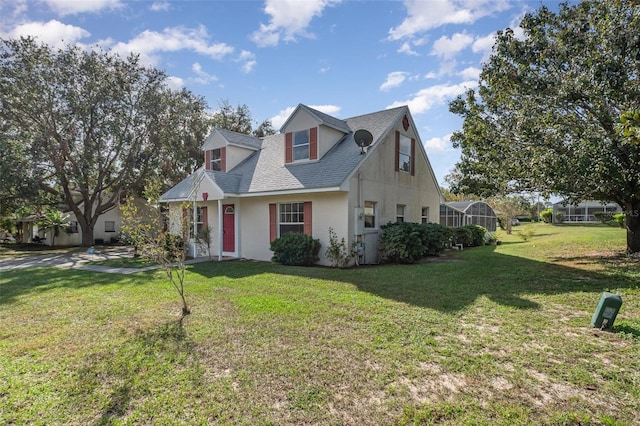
[363,139]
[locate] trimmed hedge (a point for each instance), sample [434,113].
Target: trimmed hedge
[295,249]
[406,242]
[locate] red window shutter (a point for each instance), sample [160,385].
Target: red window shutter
[273,222]
[207,160]
[313,143]
[397,167]
[288,148]
[205,219]
[307,218]
[223,159]
[413,157]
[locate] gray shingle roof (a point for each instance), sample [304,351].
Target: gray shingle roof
[240,139]
[266,171]
[323,118]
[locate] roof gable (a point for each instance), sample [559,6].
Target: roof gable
[223,137]
[320,117]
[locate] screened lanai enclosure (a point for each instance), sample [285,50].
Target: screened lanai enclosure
[460,213]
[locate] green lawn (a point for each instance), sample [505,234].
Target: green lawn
[490,335]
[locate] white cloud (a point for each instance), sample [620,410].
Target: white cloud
[407,49]
[278,120]
[470,73]
[288,20]
[148,43]
[425,15]
[203,76]
[447,48]
[73,7]
[175,83]
[438,144]
[160,6]
[249,61]
[484,44]
[427,98]
[53,33]
[394,79]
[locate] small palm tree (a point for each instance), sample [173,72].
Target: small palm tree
[54,220]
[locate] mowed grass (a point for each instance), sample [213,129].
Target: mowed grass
[490,335]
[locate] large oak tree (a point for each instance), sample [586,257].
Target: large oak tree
[88,126]
[546,114]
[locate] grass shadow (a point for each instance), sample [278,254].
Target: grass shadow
[445,286]
[122,376]
[18,282]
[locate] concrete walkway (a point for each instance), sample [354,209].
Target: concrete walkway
[79,260]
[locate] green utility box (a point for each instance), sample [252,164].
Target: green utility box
[606,311]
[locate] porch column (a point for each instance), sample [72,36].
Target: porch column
[220,231]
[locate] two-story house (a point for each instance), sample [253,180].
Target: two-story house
[310,177]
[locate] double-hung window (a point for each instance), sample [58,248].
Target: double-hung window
[400,210]
[425,215]
[301,145]
[291,218]
[109,226]
[216,160]
[369,214]
[404,154]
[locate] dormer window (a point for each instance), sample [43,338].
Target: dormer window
[216,160]
[301,145]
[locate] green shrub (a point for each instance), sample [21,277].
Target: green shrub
[462,236]
[402,242]
[435,237]
[527,233]
[547,215]
[620,219]
[338,252]
[603,217]
[405,242]
[477,234]
[559,217]
[295,249]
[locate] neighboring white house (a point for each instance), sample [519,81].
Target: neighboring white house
[106,229]
[460,213]
[311,177]
[583,211]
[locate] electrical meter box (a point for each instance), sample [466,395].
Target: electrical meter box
[606,311]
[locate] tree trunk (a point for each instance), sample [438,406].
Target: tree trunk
[633,227]
[87,233]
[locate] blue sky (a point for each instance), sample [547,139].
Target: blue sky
[345,58]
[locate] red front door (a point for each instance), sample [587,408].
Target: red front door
[229,228]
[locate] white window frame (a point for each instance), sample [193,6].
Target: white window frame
[111,228]
[298,142]
[404,148]
[216,163]
[401,211]
[370,211]
[293,216]
[425,214]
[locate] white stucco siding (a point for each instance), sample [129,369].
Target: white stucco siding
[214,141]
[378,181]
[99,231]
[328,210]
[236,155]
[327,138]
